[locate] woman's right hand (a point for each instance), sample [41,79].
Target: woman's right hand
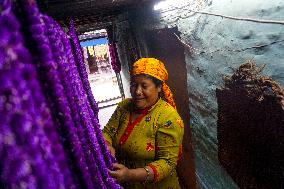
[120,174]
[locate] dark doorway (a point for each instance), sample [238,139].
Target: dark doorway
[164,45]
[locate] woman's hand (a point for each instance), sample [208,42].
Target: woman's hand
[121,173]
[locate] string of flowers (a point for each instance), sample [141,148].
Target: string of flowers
[54,90]
[73,89]
[30,154]
[114,60]
[67,77]
[93,133]
[77,52]
[40,160]
[82,70]
[11,150]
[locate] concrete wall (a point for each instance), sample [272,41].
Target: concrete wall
[218,45]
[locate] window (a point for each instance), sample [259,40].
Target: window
[103,80]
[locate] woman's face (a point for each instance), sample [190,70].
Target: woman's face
[143,91]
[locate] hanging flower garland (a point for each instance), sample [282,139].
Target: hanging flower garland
[67,77]
[82,70]
[35,157]
[104,158]
[31,154]
[74,86]
[53,88]
[81,66]
[114,60]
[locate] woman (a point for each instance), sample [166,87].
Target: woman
[145,132]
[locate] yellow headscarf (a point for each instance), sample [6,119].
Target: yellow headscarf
[155,68]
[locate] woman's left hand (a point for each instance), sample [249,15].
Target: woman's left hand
[121,173]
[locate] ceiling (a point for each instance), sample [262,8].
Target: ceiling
[88,13]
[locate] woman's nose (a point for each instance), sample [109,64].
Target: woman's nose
[138,90]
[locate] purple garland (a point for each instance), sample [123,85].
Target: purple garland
[34,156]
[77,52]
[16,159]
[93,132]
[114,60]
[81,67]
[30,150]
[54,90]
[68,75]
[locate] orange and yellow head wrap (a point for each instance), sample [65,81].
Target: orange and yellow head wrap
[155,68]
